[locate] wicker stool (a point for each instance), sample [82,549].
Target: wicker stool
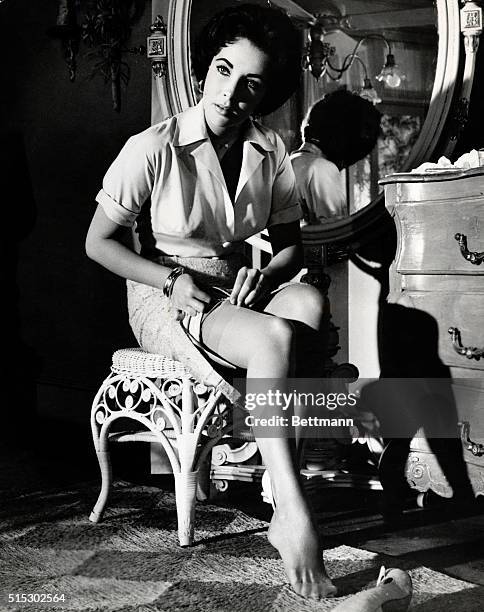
[186,417]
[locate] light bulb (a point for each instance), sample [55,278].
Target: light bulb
[390,74]
[368,92]
[392,80]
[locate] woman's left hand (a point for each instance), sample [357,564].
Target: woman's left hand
[250,285]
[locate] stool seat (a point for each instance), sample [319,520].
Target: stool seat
[167,405]
[139,362]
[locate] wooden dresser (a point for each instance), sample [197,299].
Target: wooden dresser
[438,274]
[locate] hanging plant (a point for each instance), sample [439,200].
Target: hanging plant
[104,26]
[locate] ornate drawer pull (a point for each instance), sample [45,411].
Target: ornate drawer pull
[475,448]
[473,256]
[471,352]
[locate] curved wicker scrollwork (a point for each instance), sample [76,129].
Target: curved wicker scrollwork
[169,407]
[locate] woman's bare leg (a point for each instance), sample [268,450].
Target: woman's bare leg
[307,308]
[304,304]
[263,345]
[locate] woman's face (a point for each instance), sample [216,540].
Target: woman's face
[236,82]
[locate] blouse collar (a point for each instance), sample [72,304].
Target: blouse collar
[310,147]
[191,128]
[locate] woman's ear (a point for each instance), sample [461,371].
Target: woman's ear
[201,84]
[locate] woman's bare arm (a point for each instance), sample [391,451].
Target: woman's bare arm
[287,258]
[104,247]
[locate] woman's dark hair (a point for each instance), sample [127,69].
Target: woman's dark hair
[344,126]
[267,28]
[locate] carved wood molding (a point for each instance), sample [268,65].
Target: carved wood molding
[424,473]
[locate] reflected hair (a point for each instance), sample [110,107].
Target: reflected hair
[271,31]
[344,126]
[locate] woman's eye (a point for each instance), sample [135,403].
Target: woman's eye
[223,70]
[254,85]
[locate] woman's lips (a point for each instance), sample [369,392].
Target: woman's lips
[225,111]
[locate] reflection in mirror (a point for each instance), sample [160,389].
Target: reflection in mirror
[346,44]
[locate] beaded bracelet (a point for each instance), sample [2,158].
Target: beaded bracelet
[170,281]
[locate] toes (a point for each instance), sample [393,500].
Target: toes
[314,590]
[305,589]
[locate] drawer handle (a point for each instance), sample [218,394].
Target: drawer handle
[473,256]
[471,352]
[475,448]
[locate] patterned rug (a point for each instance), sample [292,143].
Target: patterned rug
[131,561]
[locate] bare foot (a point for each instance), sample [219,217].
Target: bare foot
[294,535]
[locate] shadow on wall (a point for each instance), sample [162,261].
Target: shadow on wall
[21,360]
[70,310]
[414,397]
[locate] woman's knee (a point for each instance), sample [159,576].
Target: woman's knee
[277,334]
[311,299]
[300,302]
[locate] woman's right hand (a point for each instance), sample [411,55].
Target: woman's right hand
[186,296]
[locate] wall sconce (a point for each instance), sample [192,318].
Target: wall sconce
[317,53]
[68,32]
[317,58]
[104,26]
[156,47]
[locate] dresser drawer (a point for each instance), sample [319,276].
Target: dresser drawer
[427,236]
[464,311]
[469,399]
[430,274]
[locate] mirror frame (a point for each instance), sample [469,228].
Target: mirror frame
[175,94]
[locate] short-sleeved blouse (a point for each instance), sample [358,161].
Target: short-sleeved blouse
[192,215]
[320,184]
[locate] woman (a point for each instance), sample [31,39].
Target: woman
[338,130]
[214,177]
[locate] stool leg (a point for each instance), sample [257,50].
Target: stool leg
[185,494]
[101,445]
[203,486]
[106,479]
[100,440]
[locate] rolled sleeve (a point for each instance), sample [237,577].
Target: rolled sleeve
[285,205]
[114,210]
[128,182]
[286,215]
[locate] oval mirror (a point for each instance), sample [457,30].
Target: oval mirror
[423,37]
